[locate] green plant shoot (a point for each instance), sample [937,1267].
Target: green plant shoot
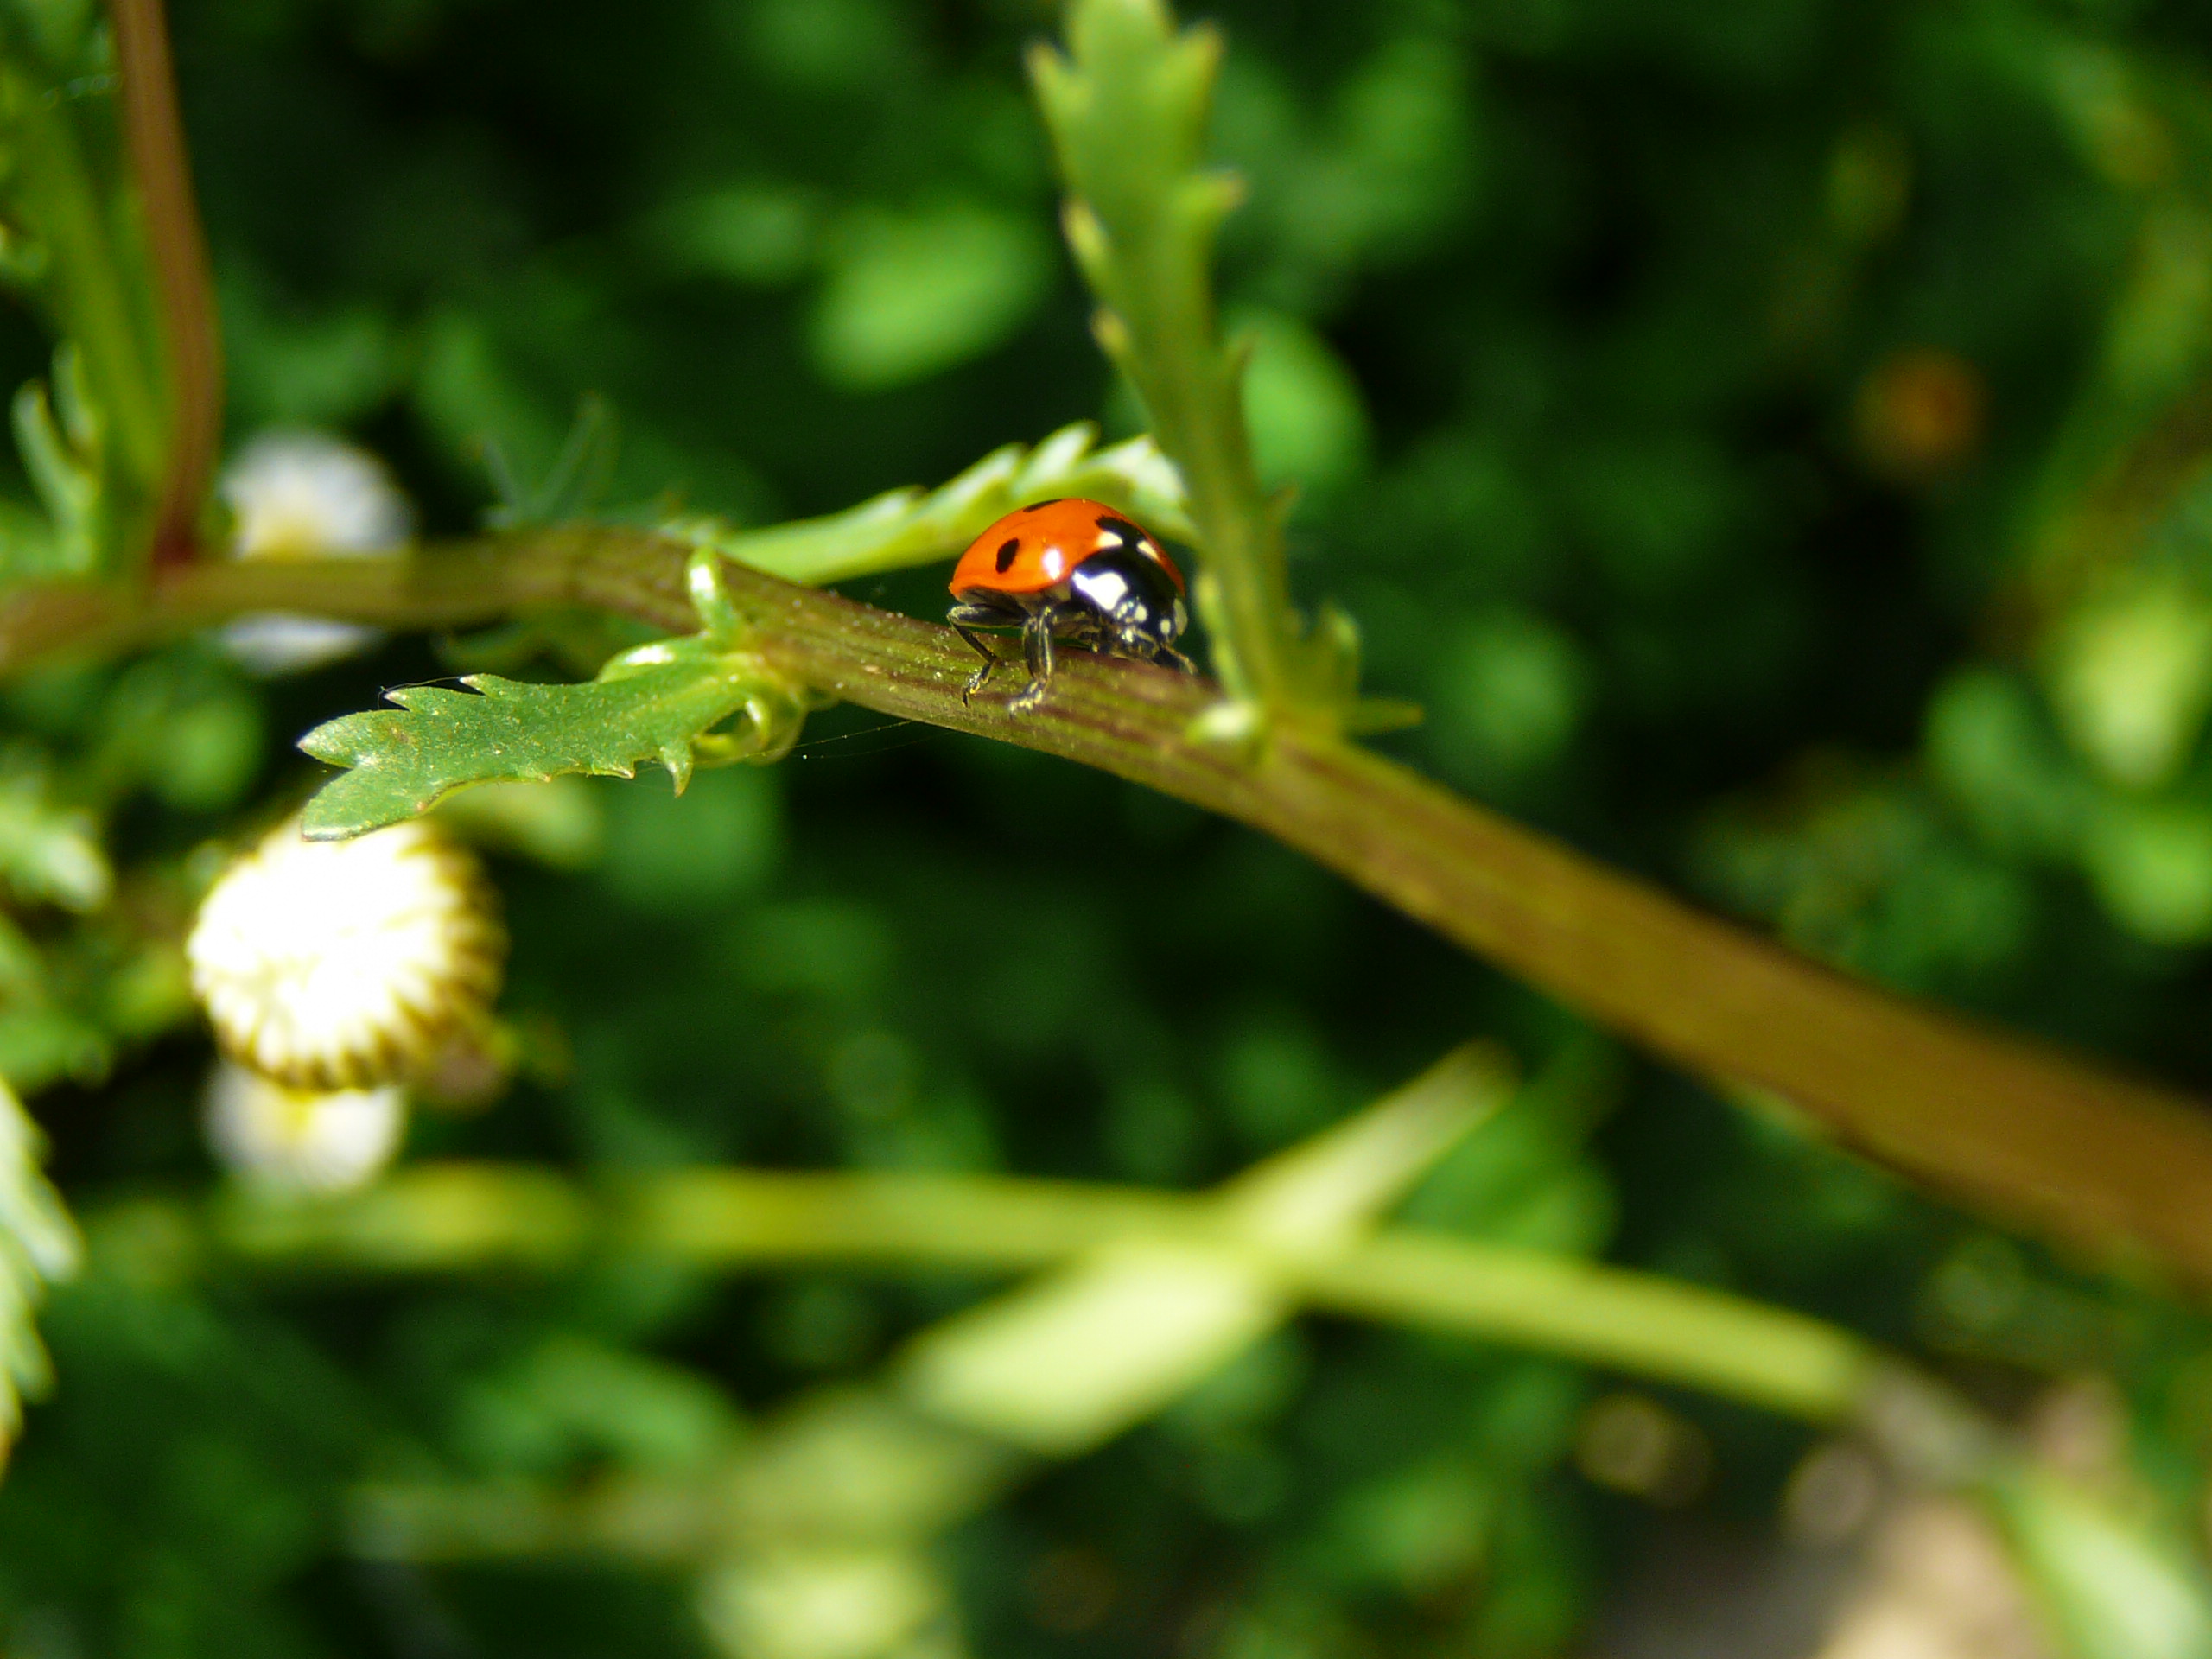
[1128,106]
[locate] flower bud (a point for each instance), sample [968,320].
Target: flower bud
[346,964]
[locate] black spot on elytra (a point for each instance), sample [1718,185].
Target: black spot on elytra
[1039,507]
[1007,553]
[1129,535]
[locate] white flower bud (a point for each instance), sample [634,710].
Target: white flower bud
[346,964]
[299,495]
[301,1140]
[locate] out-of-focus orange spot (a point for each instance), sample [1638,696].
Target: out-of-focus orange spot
[1921,413]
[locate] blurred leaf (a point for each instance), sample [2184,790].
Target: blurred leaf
[572,484]
[2113,1587]
[181,725]
[854,1463]
[1307,419]
[1528,1179]
[1415,1529]
[1073,1359]
[2151,864]
[1658,511]
[41,1043]
[1318,1195]
[470,396]
[760,234]
[652,704]
[294,365]
[561,823]
[829,45]
[907,295]
[148,993]
[38,1245]
[62,458]
[49,854]
[1508,695]
[2161,329]
[1379,176]
[2131,681]
[1068,1364]
[845,1472]
[1992,754]
[671,856]
[801,1603]
[569,1395]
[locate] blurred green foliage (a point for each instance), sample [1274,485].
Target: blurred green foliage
[92,436]
[1770,441]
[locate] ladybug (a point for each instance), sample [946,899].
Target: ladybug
[1074,571]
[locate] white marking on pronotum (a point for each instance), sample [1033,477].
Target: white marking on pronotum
[1104,588]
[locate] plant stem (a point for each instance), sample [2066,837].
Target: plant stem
[455,1217]
[178,253]
[1652,1327]
[2037,1138]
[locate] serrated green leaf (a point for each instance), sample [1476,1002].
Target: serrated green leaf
[1128,104]
[649,710]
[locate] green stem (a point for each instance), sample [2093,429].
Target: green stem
[2024,1132]
[460,1216]
[1652,1327]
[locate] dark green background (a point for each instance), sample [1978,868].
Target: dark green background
[1569,310]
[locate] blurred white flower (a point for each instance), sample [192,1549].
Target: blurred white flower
[346,964]
[306,495]
[299,495]
[270,643]
[301,1140]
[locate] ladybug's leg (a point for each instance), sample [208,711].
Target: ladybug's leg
[962,617]
[1169,654]
[983,649]
[1037,648]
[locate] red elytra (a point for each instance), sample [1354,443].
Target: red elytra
[1039,547]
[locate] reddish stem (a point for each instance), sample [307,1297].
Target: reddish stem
[154,133]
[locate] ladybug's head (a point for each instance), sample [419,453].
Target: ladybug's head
[1132,597]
